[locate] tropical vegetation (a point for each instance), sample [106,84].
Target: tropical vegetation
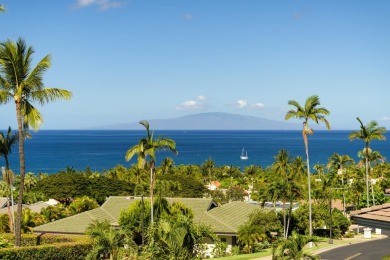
[23,84]
[155,229]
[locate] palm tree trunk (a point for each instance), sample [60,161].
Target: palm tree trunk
[367,189]
[308,176]
[372,191]
[10,185]
[13,211]
[18,233]
[342,183]
[289,217]
[284,220]
[151,195]
[9,216]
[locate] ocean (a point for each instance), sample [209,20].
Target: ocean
[51,151]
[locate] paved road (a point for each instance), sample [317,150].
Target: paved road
[373,250]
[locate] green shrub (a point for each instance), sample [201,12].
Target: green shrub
[48,247]
[235,250]
[258,247]
[220,249]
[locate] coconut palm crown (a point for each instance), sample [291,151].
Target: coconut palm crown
[24,85]
[148,146]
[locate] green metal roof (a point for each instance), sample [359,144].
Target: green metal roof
[223,219]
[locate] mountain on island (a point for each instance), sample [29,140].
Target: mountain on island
[209,121]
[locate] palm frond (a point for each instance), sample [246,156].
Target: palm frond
[50,94]
[35,78]
[131,152]
[145,123]
[4,96]
[31,116]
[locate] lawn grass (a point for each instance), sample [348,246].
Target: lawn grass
[266,252]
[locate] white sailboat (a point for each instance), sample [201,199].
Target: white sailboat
[244,154]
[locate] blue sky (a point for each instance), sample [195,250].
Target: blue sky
[128,60]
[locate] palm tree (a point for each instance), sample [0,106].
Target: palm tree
[373,157]
[107,241]
[30,181]
[2,8]
[176,237]
[207,170]
[367,133]
[23,84]
[167,165]
[146,149]
[282,168]
[137,175]
[249,235]
[6,143]
[338,162]
[315,113]
[292,248]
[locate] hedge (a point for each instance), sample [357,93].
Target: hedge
[47,247]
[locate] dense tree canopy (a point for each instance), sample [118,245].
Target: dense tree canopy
[67,186]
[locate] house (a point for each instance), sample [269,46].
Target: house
[214,185]
[373,217]
[225,220]
[35,207]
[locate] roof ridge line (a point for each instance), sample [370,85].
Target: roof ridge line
[217,219]
[108,213]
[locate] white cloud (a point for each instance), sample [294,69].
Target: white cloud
[241,103]
[258,105]
[385,118]
[102,4]
[199,104]
[190,105]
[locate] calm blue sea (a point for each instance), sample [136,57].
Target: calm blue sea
[51,151]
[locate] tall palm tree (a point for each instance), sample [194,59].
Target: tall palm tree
[23,84]
[2,8]
[338,162]
[367,133]
[282,168]
[146,149]
[317,114]
[6,143]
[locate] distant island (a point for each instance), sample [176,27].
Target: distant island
[209,121]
